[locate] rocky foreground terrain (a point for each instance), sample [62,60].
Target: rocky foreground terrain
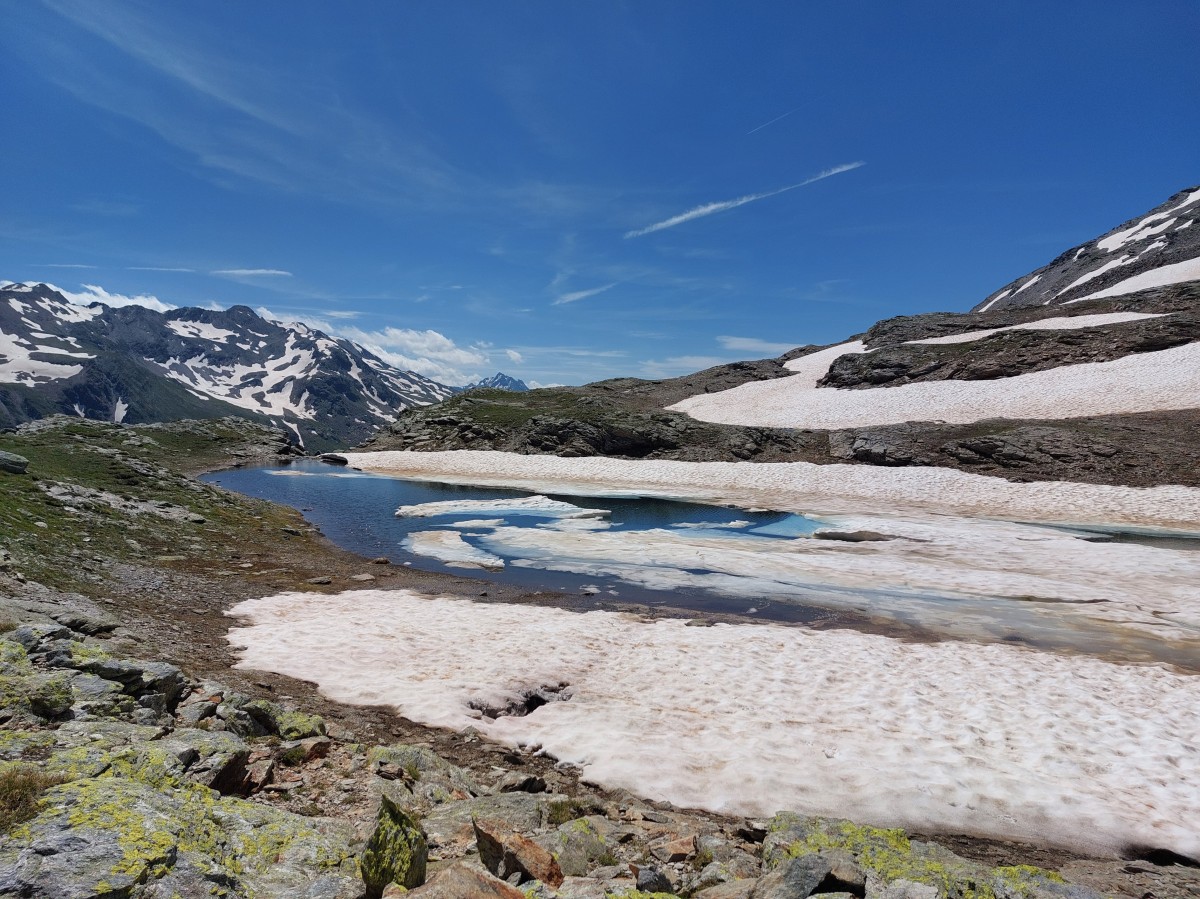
[137,762]
[628,417]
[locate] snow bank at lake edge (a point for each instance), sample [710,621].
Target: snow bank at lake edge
[747,719]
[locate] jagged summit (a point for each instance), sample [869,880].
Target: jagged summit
[1159,248]
[500,381]
[134,364]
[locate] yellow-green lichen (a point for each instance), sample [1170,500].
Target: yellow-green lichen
[890,854]
[395,853]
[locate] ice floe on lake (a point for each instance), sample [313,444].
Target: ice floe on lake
[518,505]
[747,719]
[449,547]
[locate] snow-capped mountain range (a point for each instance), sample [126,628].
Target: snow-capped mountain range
[134,364]
[1159,248]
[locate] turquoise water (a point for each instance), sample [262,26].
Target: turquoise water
[356,510]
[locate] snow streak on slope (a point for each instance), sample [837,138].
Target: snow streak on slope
[1176,273]
[1059,323]
[748,719]
[1146,382]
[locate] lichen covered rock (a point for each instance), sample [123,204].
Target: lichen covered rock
[115,836]
[396,851]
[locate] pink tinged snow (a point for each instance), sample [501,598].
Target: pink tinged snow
[748,719]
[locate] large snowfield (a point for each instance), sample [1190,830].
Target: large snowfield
[749,719]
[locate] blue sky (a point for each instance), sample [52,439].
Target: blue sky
[568,191]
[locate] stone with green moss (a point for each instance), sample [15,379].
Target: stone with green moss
[889,856]
[34,695]
[289,725]
[396,851]
[423,773]
[108,835]
[582,845]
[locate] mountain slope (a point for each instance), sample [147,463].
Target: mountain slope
[1159,248]
[132,364]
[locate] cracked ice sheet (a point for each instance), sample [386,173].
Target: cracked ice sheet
[449,547]
[943,571]
[748,719]
[803,487]
[540,506]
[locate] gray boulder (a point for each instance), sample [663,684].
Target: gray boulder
[12,463]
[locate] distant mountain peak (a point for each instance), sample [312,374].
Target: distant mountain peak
[499,381]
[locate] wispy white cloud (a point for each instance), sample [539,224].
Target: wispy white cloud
[65,265]
[251,273]
[343,313]
[93,293]
[754,345]
[276,130]
[428,352]
[514,357]
[711,208]
[576,295]
[156,268]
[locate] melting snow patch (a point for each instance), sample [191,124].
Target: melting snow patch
[747,719]
[1145,382]
[1176,273]
[1059,323]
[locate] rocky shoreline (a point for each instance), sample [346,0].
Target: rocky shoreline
[182,776]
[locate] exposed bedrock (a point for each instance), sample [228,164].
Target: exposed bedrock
[1007,354]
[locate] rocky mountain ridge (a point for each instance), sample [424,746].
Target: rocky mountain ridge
[133,364]
[1159,248]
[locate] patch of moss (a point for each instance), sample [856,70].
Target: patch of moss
[297,725]
[639,894]
[560,811]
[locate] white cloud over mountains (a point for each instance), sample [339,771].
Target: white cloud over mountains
[93,293]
